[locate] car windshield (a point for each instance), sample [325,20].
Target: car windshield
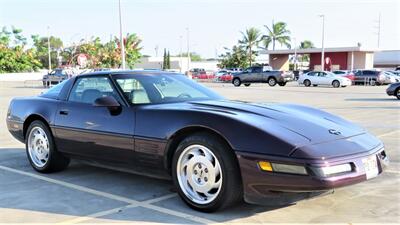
[162,88]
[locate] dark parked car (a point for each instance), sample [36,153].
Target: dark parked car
[54,77]
[261,74]
[394,90]
[371,77]
[165,125]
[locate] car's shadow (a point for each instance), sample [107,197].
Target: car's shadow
[389,99]
[20,191]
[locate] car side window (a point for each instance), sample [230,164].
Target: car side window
[133,90]
[257,70]
[311,74]
[322,74]
[88,89]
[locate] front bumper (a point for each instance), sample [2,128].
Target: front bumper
[272,188]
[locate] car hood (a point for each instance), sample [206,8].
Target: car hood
[312,125]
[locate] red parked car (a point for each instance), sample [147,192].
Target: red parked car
[227,77]
[345,73]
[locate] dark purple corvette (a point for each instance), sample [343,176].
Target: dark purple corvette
[216,151]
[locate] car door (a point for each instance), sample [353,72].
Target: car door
[257,75]
[87,130]
[324,78]
[312,76]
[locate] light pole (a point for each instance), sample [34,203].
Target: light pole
[295,54]
[48,47]
[121,37]
[323,36]
[188,49]
[180,53]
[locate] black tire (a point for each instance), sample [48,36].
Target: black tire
[272,81]
[335,83]
[231,191]
[247,85]
[397,93]
[373,82]
[56,161]
[307,83]
[236,82]
[282,84]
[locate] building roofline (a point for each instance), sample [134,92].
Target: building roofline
[317,50]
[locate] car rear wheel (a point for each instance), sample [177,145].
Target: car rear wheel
[247,85]
[41,151]
[397,93]
[307,83]
[282,84]
[236,82]
[206,173]
[272,81]
[336,84]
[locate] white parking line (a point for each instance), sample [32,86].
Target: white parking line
[132,203]
[387,133]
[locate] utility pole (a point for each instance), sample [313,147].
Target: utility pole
[379,29]
[295,54]
[121,37]
[48,47]
[180,53]
[188,48]
[156,50]
[323,37]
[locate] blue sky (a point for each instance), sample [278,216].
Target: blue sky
[213,24]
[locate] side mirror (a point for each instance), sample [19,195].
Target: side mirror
[110,102]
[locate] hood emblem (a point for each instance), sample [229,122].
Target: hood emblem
[335,132]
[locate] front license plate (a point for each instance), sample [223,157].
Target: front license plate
[371,166]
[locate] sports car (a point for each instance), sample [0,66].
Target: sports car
[216,151]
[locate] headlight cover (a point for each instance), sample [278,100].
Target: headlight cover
[328,171]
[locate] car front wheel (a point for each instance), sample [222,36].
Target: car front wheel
[206,173]
[336,84]
[41,151]
[397,93]
[236,82]
[247,85]
[272,81]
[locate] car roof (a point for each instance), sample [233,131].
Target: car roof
[133,72]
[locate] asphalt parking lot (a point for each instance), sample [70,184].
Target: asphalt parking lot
[85,194]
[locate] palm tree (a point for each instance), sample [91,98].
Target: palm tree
[306,44]
[251,39]
[277,33]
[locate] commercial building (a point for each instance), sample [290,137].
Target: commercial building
[387,60]
[343,58]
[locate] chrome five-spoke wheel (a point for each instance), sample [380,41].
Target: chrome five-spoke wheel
[38,146]
[199,174]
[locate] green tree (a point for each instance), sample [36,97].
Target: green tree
[276,33]
[305,45]
[234,58]
[41,45]
[168,61]
[13,55]
[164,66]
[194,57]
[132,49]
[251,39]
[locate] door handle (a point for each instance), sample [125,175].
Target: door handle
[64,112]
